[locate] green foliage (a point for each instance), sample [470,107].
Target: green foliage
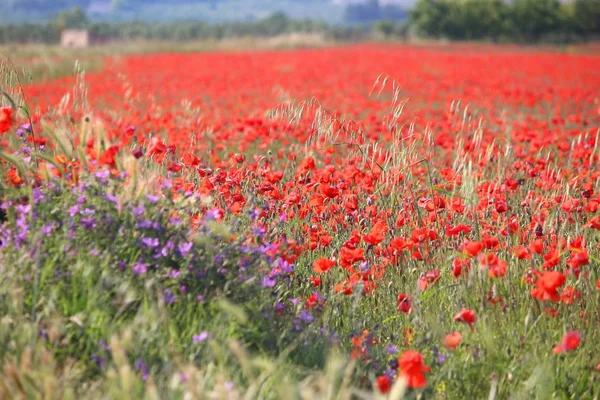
[519,20]
[586,16]
[535,19]
[71,19]
[272,25]
[85,268]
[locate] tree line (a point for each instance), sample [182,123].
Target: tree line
[273,25]
[527,21]
[499,20]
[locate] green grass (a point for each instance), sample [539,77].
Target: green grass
[78,321]
[39,63]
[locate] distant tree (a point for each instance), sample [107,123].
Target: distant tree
[535,18]
[586,16]
[528,20]
[483,19]
[74,18]
[275,24]
[384,28]
[430,17]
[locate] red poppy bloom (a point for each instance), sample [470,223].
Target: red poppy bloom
[458,265]
[412,369]
[377,233]
[404,303]
[466,316]
[315,280]
[473,248]
[6,119]
[384,384]
[568,343]
[13,178]
[349,256]
[547,284]
[323,265]
[452,340]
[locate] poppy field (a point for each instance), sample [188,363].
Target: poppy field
[367,221]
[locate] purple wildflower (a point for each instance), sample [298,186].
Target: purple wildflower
[152,198]
[88,222]
[174,274]
[285,266]
[306,317]
[363,267]
[37,195]
[167,249]
[99,361]
[139,268]
[279,307]
[23,208]
[102,176]
[184,248]
[258,231]
[143,369]
[145,224]
[73,210]
[175,221]
[441,359]
[218,260]
[150,242]
[166,184]
[391,349]
[47,228]
[269,281]
[139,210]
[200,337]
[169,297]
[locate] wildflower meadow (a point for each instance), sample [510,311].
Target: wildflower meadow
[365,221]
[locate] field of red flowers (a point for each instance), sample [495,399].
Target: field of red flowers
[431,211]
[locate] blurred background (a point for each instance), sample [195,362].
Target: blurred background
[554,21]
[40,34]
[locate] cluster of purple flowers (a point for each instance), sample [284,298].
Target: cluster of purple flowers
[141,241]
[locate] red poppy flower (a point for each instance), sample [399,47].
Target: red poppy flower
[384,384]
[330,191]
[108,156]
[6,119]
[404,303]
[458,264]
[547,285]
[349,256]
[568,343]
[452,340]
[473,248]
[466,316]
[13,178]
[377,233]
[323,265]
[412,369]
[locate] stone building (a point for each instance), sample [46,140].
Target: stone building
[75,39]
